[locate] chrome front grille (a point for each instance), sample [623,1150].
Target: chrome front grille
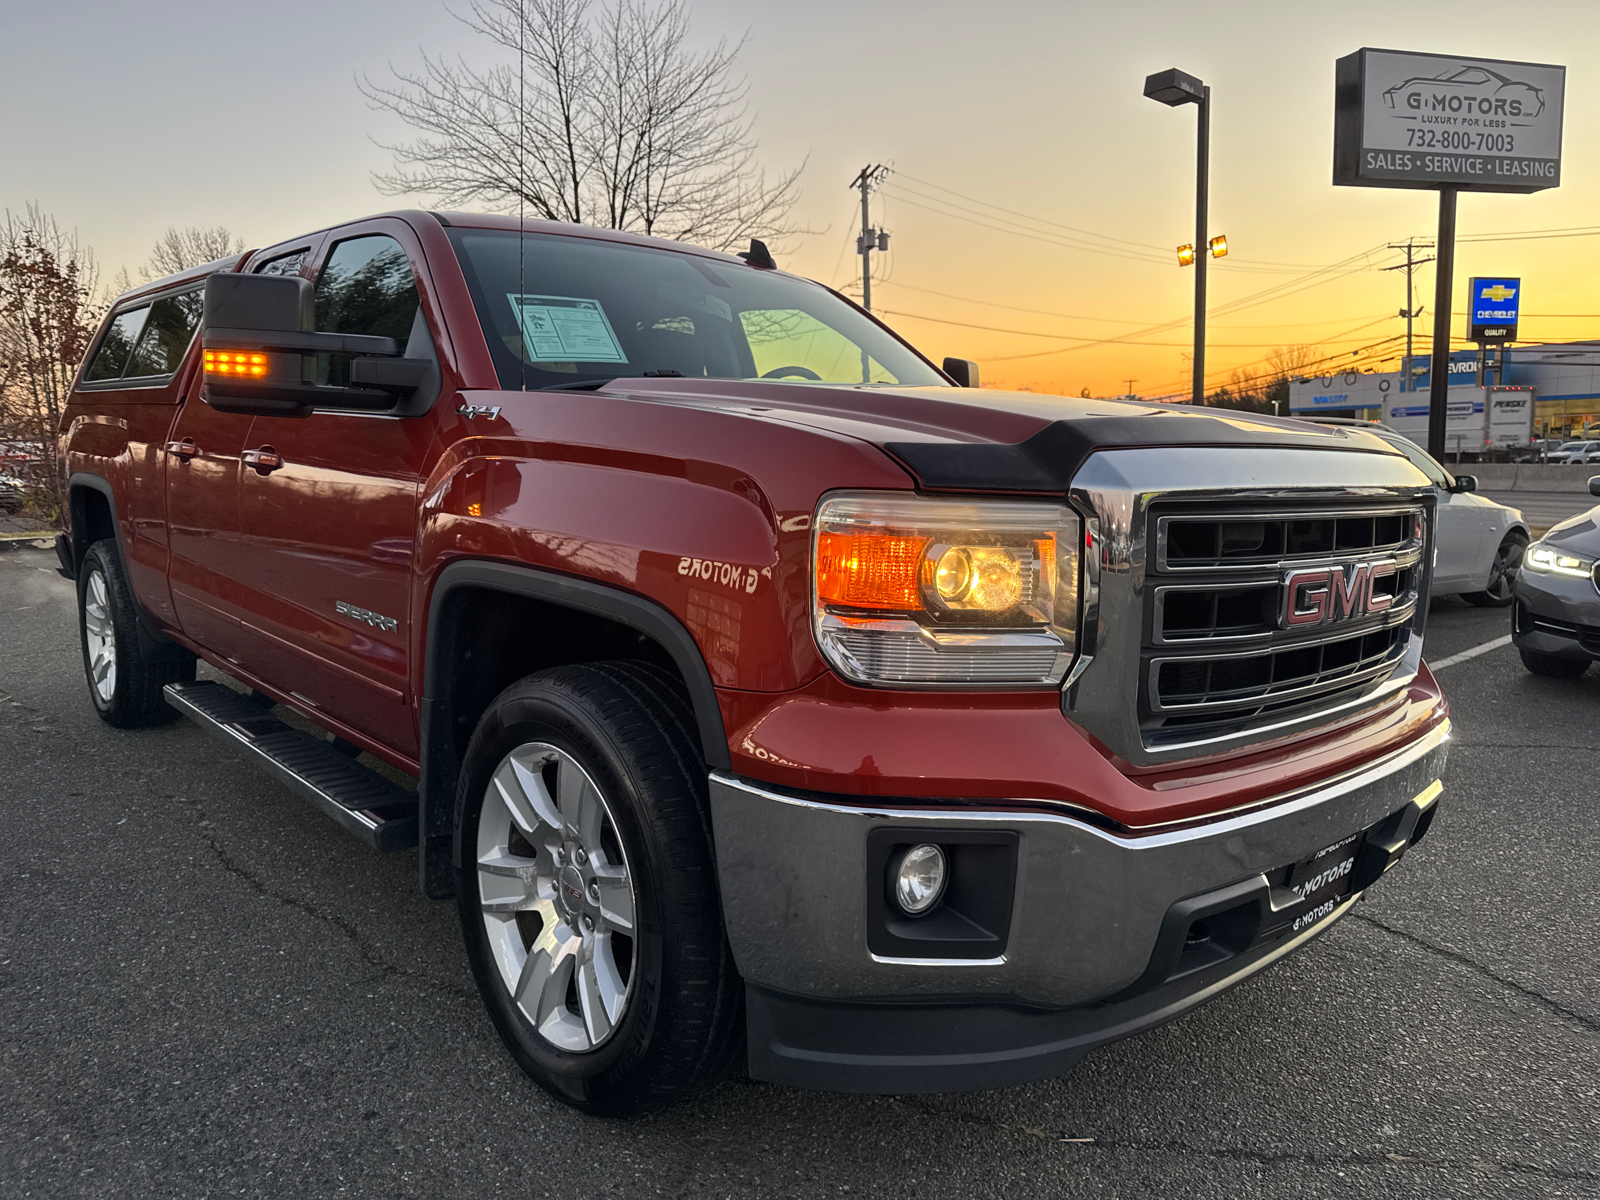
[1223,652]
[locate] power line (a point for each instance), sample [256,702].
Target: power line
[1040,220]
[1065,337]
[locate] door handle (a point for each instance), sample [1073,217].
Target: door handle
[185,449]
[264,459]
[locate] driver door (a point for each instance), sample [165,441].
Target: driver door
[328,509]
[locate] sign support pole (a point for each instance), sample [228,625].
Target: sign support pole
[1202,247]
[1439,381]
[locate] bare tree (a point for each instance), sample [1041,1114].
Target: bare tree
[179,249]
[48,314]
[614,120]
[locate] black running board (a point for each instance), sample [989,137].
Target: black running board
[364,802]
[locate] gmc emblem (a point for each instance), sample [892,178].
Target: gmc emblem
[1316,595]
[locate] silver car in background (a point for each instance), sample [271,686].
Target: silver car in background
[1479,542]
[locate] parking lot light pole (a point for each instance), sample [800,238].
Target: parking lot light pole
[1173,88]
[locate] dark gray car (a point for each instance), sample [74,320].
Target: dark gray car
[1556,622]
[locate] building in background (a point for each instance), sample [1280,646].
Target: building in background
[1563,379]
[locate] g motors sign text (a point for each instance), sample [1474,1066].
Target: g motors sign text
[1426,120]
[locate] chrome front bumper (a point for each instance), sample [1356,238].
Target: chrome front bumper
[1089,904]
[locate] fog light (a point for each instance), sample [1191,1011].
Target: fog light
[919,879]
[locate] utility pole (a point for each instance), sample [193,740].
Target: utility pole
[1410,312]
[1131,382]
[870,239]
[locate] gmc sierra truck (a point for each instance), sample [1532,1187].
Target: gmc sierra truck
[774,698]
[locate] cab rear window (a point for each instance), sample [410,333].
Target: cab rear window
[147,343]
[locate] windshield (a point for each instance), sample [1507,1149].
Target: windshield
[569,309]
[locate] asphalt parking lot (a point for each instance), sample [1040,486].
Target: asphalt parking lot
[206,988]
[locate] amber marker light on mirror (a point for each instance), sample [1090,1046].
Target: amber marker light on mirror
[234,364]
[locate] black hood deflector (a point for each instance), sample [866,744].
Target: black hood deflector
[1048,461]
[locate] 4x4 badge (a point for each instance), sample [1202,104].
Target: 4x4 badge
[376,620]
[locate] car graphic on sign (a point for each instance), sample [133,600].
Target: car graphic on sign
[1474,90]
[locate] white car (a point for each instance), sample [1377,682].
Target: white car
[1480,543]
[1575,452]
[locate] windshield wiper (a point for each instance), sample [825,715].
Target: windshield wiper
[594,385]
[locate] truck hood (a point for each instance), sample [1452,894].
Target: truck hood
[952,437]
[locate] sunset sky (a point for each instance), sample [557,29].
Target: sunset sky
[1037,196]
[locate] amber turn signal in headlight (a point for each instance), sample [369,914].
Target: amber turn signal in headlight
[913,590]
[248,364]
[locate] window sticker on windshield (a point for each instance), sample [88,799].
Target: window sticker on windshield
[565,329]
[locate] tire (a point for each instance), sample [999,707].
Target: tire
[1552,665]
[125,669]
[1502,574]
[556,917]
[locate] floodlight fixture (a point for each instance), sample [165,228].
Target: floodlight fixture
[1186,256]
[1174,87]
[1219,246]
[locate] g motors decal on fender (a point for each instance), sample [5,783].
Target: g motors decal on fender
[729,575]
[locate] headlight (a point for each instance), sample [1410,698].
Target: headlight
[1541,557]
[945,593]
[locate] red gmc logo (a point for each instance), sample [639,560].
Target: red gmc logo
[1315,595]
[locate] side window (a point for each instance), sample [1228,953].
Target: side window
[167,334]
[117,345]
[367,287]
[284,264]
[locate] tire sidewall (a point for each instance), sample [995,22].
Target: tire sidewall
[592,1078]
[103,561]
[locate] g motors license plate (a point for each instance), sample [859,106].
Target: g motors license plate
[1322,880]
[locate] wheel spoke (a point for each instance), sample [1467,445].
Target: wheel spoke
[541,990]
[508,884]
[508,786]
[600,990]
[533,787]
[616,897]
[581,810]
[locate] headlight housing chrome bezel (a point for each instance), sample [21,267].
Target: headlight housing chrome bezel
[1001,614]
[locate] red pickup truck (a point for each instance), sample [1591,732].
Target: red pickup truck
[772,697]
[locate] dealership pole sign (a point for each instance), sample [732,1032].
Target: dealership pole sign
[1450,124]
[1428,120]
[1495,304]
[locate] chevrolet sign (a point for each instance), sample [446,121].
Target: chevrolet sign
[1495,305]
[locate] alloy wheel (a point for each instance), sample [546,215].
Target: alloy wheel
[100,637]
[557,896]
[1503,572]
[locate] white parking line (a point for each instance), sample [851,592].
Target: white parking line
[1436,667]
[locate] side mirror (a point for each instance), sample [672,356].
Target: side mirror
[963,370]
[259,353]
[1594,485]
[1465,483]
